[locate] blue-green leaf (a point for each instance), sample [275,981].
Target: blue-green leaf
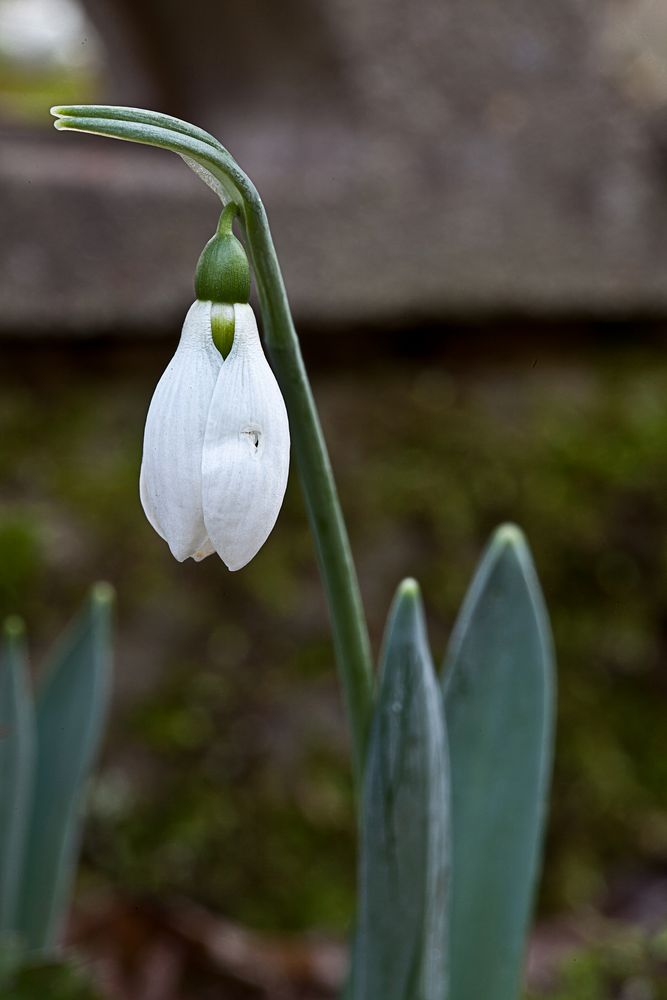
[401,933]
[498,687]
[17,745]
[71,711]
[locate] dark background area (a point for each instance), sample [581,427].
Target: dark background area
[469,207]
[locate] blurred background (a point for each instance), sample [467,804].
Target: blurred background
[469,200]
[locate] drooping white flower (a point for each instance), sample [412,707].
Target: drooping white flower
[216,445]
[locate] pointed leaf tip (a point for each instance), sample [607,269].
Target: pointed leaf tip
[405,627]
[103,593]
[409,588]
[14,627]
[509,534]
[509,539]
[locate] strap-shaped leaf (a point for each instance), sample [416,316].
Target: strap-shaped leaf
[71,712]
[17,745]
[401,942]
[499,699]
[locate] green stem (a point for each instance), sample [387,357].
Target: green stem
[337,569]
[226,220]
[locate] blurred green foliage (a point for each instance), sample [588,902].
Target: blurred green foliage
[19,557]
[626,964]
[23,978]
[28,88]
[226,776]
[24,96]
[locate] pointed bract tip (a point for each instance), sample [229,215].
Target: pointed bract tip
[70,110]
[14,627]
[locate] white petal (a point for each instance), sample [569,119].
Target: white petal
[170,481]
[207,549]
[246,449]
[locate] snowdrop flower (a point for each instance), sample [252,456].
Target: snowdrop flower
[216,444]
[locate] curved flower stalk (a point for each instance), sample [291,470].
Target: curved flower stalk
[213,163]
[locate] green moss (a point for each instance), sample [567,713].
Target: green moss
[227,816]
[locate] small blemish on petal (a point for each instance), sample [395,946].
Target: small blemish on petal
[253,436]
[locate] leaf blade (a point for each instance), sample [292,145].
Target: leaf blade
[71,711]
[498,693]
[401,938]
[17,753]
